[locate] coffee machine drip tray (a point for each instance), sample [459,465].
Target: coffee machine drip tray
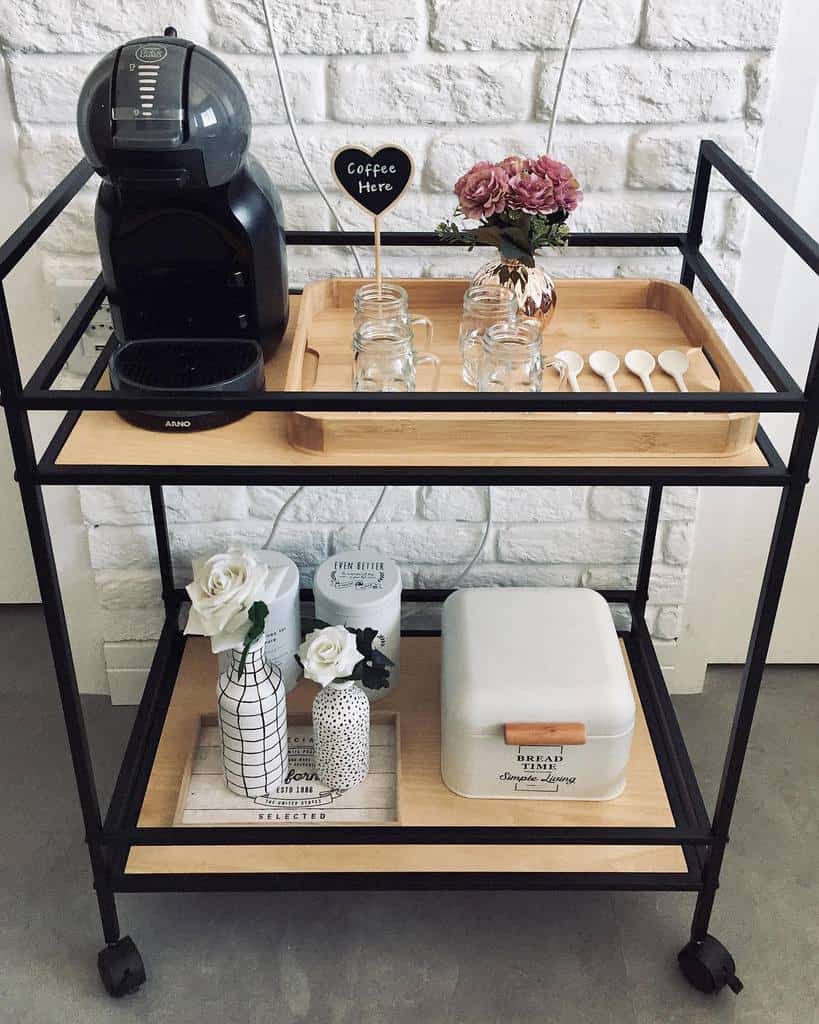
[154,365]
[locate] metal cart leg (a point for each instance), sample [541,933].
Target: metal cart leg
[704,961]
[163,546]
[655,497]
[119,962]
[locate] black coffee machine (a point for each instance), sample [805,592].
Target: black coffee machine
[189,225]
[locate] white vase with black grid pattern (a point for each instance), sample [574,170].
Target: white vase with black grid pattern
[341,735]
[252,714]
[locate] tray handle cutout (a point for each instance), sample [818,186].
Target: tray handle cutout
[309,368]
[544,734]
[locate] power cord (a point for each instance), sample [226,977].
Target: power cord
[288,502]
[559,86]
[372,516]
[295,132]
[482,546]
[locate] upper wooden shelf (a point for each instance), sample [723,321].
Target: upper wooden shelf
[102,438]
[425,801]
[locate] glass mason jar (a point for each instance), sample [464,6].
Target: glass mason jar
[387,302]
[384,358]
[512,360]
[484,305]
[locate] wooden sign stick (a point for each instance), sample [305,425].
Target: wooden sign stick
[377,234]
[375,181]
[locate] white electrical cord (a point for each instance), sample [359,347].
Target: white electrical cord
[371,519]
[290,499]
[295,132]
[558,88]
[483,543]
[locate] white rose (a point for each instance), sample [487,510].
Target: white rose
[223,589]
[329,654]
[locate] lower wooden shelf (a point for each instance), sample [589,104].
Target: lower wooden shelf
[425,801]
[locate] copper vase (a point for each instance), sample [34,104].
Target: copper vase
[532,286]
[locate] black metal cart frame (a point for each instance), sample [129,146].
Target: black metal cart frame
[703,838]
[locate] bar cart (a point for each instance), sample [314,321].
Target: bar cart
[664,840]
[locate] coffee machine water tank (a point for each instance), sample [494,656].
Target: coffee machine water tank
[189,225]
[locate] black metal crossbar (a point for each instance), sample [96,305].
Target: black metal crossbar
[20,241]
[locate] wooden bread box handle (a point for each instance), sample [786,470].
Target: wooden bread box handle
[544,734]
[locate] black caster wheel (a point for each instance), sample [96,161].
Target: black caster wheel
[708,966]
[121,967]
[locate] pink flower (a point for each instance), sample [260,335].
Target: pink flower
[568,195]
[554,170]
[531,193]
[515,164]
[482,191]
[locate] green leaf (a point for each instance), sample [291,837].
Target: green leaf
[490,235]
[311,625]
[375,678]
[364,640]
[380,660]
[514,252]
[518,236]
[452,234]
[524,221]
[257,614]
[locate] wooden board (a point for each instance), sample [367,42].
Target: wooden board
[425,800]
[617,315]
[104,439]
[205,800]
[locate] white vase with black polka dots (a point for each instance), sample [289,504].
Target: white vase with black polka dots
[341,735]
[252,715]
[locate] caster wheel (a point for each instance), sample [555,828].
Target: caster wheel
[708,966]
[121,968]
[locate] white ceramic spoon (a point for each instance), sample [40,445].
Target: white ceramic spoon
[642,365]
[574,366]
[675,364]
[605,364]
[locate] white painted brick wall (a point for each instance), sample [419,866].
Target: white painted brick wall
[465,25]
[455,81]
[705,25]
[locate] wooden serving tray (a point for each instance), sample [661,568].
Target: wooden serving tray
[591,314]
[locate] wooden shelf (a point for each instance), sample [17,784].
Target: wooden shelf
[425,801]
[260,439]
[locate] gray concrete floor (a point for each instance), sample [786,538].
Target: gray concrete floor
[432,958]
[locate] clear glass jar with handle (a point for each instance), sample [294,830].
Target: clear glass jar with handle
[511,359]
[385,359]
[387,301]
[484,305]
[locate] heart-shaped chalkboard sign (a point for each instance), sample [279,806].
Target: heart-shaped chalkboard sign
[375,181]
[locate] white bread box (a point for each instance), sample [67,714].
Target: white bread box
[536,702]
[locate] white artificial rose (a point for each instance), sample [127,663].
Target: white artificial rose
[223,589]
[329,654]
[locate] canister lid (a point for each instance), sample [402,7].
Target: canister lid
[276,560]
[533,654]
[355,580]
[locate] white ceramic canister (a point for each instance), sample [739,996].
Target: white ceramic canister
[363,589]
[283,625]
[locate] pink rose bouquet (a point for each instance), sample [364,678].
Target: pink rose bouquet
[522,206]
